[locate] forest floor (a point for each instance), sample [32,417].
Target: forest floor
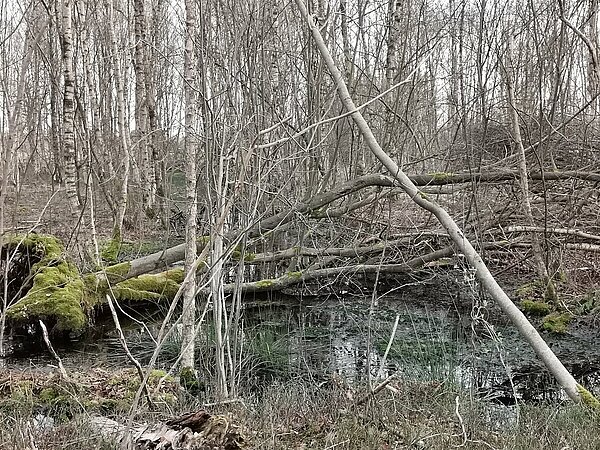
[38,410]
[43,413]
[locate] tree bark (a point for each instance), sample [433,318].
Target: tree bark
[316,207]
[538,253]
[188,315]
[69,111]
[121,201]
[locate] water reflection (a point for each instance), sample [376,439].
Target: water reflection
[349,338]
[339,338]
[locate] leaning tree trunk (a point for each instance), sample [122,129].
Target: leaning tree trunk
[575,391]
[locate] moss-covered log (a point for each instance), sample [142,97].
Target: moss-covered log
[46,285]
[52,289]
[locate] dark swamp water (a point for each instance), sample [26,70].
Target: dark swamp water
[439,335]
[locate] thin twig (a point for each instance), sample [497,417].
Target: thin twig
[61,368]
[460,421]
[341,116]
[123,342]
[389,346]
[377,389]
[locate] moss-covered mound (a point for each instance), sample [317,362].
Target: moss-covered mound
[55,289]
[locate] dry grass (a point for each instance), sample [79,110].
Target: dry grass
[299,415]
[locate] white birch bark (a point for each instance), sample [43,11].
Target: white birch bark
[68,128]
[189,299]
[121,201]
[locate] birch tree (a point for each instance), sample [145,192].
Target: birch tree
[68,122]
[123,128]
[188,317]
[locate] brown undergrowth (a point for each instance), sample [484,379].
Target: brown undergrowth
[299,415]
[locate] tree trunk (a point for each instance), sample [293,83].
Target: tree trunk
[189,294]
[121,201]
[538,254]
[141,103]
[68,134]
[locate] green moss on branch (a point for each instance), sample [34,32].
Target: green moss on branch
[156,287]
[587,398]
[60,295]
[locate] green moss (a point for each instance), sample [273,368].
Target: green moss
[441,176]
[156,375]
[110,250]
[236,254]
[423,195]
[47,395]
[265,284]
[157,287]
[530,290]
[294,275]
[117,272]
[535,308]
[42,244]
[550,294]
[189,381]
[133,250]
[57,292]
[538,290]
[557,322]
[587,398]
[176,275]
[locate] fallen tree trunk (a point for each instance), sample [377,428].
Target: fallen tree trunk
[161,260]
[55,292]
[574,390]
[45,285]
[342,252]
[292,278]
[317,208]
[193,431]
[443,178]
[552,230]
